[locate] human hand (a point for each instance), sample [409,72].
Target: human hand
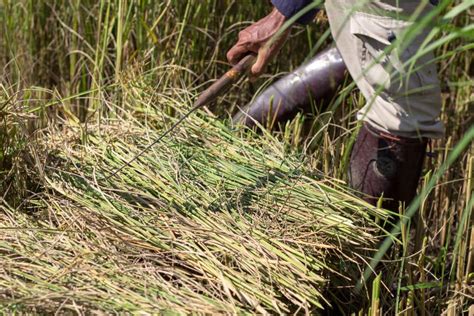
[258,39]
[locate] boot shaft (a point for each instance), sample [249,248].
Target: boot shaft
[310,83]
[386,165]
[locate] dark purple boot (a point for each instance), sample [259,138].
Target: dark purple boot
[313,82]
[388,165]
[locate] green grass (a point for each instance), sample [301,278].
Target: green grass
[213,219]
[207,221]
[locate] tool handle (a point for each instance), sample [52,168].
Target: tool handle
[244,64]
[226,81]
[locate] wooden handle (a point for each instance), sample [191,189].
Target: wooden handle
[226,81]
[245,63]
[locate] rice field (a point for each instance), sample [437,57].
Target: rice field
[215,219]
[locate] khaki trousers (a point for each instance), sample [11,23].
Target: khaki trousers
[402,90]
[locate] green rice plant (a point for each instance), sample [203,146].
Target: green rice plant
[227,222]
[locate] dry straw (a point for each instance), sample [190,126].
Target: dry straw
[208,221]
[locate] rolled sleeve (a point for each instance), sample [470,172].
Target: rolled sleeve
[290,7]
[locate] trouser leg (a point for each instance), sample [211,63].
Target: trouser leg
[401,87]
[403,98]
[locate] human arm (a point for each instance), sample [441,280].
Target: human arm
[258,38]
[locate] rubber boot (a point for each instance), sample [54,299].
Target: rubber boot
[386,165]
[312,83]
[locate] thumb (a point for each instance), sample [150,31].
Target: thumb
[262,60]
[266,53]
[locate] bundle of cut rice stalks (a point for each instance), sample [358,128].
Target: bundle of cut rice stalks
[210,220]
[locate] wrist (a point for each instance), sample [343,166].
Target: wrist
[277,19]
[278,16]
[288,8]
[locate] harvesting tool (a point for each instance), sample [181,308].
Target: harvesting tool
[208,96]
